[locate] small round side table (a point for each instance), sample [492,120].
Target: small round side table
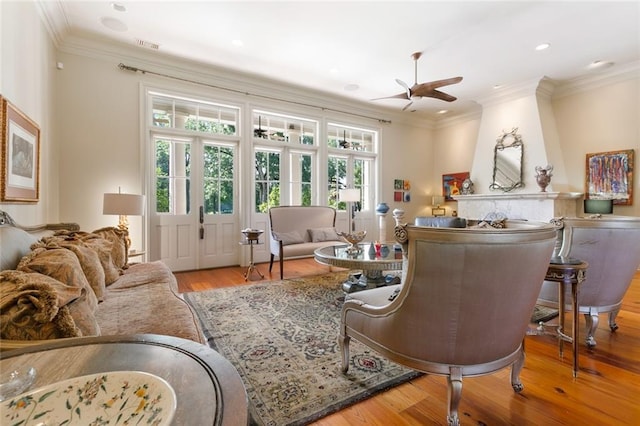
[567,271]
[251,237]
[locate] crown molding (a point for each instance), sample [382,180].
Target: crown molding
[616,74]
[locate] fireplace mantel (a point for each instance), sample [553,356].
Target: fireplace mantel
[541,206]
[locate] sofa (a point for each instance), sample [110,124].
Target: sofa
[69,283]
[296,231]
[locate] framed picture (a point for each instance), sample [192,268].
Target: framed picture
[609,176]
[452,184]
[19,155]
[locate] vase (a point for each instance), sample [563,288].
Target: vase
[382,208]
[543,177]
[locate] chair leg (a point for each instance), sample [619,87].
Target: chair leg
[612,320]
[344,350]
[281,268]
[454,393]
[591,319]
[271,263]
[516,384]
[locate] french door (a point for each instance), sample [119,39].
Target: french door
[194,221]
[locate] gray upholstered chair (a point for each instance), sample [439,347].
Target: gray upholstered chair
[611,246]
[464,308]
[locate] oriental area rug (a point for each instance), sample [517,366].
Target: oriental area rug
[282,337]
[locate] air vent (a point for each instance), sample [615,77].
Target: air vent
[147,44]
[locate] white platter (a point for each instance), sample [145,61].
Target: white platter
[116,397]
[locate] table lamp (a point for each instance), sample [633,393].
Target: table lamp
[350,195]
[436,200]
[123,205]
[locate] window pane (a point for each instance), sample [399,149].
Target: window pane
[300,181]
[218,179]
[267,180]
[337,175]
[173,170]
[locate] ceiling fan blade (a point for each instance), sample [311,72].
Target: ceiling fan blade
[407,105]
[441,95]
[398,96]
[406,87]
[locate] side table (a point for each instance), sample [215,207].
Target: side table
[251,237]
[567,271]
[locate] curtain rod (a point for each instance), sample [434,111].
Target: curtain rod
[272,98]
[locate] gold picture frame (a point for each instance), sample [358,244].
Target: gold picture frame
[19,155]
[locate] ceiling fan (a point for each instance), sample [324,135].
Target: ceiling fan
[423,90]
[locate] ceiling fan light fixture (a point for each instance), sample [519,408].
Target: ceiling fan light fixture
[118,7]
[599,64]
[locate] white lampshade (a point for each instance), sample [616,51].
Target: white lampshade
[436,200]
[123,204]
[349,194]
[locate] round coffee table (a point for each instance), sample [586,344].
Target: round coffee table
[371,263]
[208,388]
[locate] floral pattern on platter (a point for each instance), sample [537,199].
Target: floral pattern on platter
[114,398]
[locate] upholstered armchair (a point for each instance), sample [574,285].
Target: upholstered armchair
[611,246]
[464,307]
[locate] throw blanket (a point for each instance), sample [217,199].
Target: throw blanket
[32,309]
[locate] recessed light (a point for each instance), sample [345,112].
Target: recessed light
[543,46]
[238,43]
[443,111]
[113,24]
[352,87]
[118,7]
[497,86]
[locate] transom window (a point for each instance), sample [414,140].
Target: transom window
[351,138]
[190,114]
[284,128]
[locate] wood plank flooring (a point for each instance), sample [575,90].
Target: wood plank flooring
[606,391]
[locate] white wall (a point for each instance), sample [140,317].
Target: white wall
[27,66]
[600,119]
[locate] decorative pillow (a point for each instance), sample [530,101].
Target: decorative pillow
[323,234]
[120,240]
[288,238]
[31,308]
[62,265]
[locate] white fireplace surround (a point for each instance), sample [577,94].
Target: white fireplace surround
[540,206]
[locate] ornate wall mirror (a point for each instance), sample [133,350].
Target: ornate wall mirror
[507,162]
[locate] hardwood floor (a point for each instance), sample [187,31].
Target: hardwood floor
[606,391]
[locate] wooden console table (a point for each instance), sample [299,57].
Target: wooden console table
[208,388]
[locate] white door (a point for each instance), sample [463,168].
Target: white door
[218,211]
[193,220]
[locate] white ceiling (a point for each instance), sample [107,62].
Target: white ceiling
[330,45]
